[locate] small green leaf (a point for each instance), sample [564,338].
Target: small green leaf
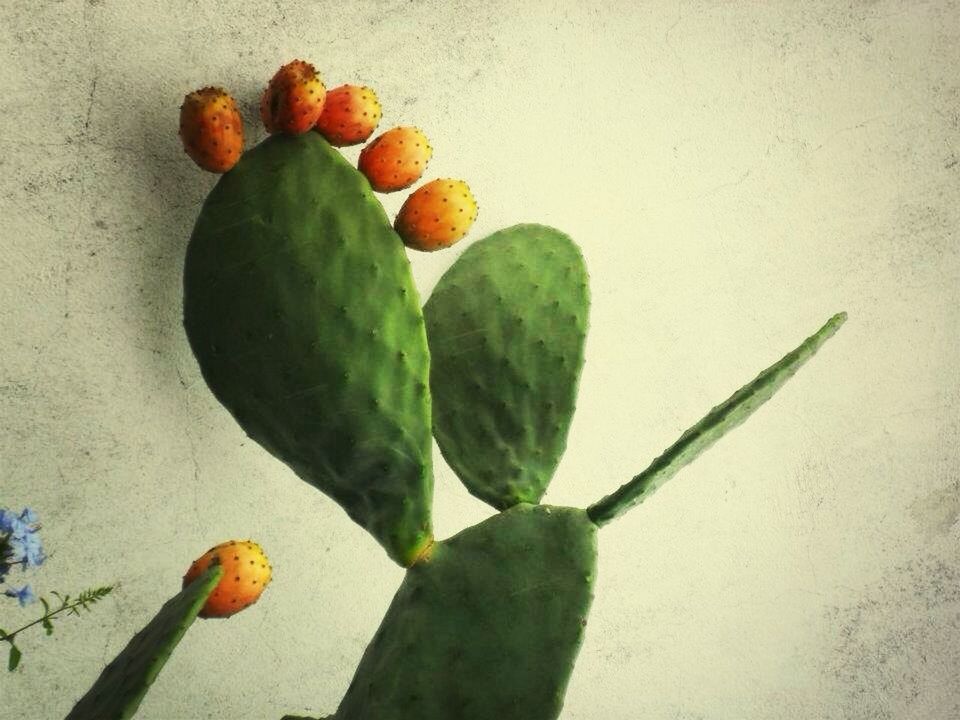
[14,658]
[48,626]
[46,606]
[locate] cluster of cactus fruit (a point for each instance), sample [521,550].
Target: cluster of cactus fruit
[295,102]
[301,310]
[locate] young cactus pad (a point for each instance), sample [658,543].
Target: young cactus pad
[117,693]
[506,326]
[301,310]
[717,423]
[487,625]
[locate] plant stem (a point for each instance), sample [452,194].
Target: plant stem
[83,600]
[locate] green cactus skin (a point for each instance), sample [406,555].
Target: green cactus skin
[301,310]
[506,326]
[118,691]
[715,424]
[486,625]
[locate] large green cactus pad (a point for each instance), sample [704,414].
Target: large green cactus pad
[118,691]
[301,310]
[506,326]
[486,625]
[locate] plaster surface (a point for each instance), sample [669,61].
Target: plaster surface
[735,174]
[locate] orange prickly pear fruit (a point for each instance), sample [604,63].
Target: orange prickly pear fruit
[211,129]
[350,115]
[293,100]
[246,572]
[436,215]
[396,159]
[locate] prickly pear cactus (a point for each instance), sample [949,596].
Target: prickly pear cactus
[301,310]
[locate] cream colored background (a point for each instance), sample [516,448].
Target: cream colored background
[735,173]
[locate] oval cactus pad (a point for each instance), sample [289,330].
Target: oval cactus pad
[506,326]
[301,310]
[487,625]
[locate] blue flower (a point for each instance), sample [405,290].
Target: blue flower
[19,542]
[18,525]
[27,550]
[24,595]
[9,522]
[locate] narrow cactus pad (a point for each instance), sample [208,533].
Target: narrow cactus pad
[506,326]
[118,691]
[485,626]
[301,310]
[715,424]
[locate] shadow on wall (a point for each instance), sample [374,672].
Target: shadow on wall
[174,189]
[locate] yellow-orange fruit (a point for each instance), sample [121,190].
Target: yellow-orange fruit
[246,572]
[396,159]
[436,215]
[293,100]
[211,129]
[350,115]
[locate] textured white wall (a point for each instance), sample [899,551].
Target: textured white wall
[734,174]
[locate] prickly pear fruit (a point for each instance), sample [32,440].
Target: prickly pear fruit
[293,100]
[211,129]
[246,572]
[436,215]
[396,159]
[350,115]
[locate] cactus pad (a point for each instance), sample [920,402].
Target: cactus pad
[486,625]
[506,326]
[301,310]
[718,422]
[118,691]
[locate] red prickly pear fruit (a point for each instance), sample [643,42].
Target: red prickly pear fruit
[436,215]
[293,100]
[350,115]
[396,159]
[211,129]
[246,572]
